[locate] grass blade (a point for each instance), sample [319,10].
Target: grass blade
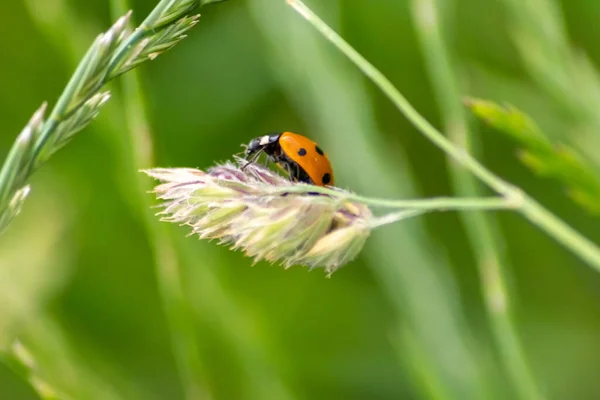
[139,152]
[481,229]
[428,331]
[537,214]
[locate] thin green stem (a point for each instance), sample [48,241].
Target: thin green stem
[436,203]
[386,86]
[439,203]
[531,209]
[480,228]
[395,217]
[27,373]
[555,227]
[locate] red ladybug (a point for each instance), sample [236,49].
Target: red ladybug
[301,157]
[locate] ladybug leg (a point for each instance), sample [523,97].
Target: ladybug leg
[288,166]
[297,174]
[253,158]
[281,162]
[294,171]
[303,177]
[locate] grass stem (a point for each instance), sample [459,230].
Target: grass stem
[436,203]
[582,247]
[486,243]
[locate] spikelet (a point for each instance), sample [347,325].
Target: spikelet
[264,214]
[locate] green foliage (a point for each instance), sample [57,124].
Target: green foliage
[540,154]
[111,54]
[23,362]
[113,304]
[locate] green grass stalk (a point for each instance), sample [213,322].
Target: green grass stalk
[581,246]
[481,229]
[22,363]
[431,204]
[139,153]
[239,329]
[436,354]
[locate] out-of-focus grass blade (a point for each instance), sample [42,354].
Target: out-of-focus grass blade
[431,19]
[56,368]
[137,152]
[563,72]
[34,266]
[403,259]
[28,279]
[213,304]
[542,156]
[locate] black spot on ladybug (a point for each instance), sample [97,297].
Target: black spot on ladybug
[326,178]
[302,152]
[318,149]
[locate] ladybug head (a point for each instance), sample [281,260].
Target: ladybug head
[253,147]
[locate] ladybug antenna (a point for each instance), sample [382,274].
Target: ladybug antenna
[240,153]
[243,152]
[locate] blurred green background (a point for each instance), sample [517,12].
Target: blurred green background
[79,284]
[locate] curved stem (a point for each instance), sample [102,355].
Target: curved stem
[387,87]
[439,203]
[429,19]
[559,230]
[531,209]
[395,217]
[435,203]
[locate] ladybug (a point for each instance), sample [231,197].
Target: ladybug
[302,158]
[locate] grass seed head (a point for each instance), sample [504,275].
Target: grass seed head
[264,214]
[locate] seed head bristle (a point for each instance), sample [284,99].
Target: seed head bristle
[264,214]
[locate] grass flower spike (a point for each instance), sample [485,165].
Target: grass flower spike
[272,218]
[264,214]
[112,53]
